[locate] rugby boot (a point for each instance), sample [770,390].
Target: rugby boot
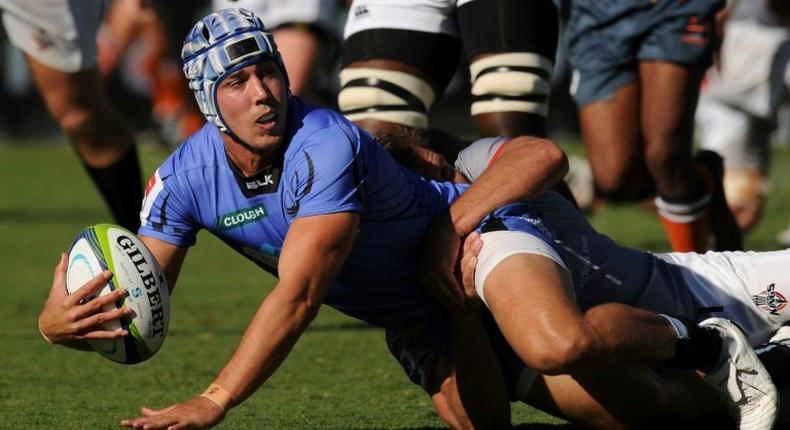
[741,379]
[726,233]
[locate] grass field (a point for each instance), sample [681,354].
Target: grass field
[339,376]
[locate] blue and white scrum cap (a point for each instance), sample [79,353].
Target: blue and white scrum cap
[218,45]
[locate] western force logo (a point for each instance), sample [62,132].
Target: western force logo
[240,217]
[770,300]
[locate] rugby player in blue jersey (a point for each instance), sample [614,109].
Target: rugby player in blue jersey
[316,201]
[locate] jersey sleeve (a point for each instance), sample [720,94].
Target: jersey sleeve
[324,174]
[165,215]
[475,158]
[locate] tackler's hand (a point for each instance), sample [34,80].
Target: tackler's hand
[438,264]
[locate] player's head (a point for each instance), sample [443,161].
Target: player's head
[219,45]
[409,147]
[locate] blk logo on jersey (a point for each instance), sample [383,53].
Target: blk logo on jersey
[770,300]
[265,181]
[240,217]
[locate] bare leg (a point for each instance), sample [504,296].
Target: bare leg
[299,50]
[610,129]
[630,397]
[101,139]
[667,108]
[532,291]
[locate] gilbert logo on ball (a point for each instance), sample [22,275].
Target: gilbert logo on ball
[110,247]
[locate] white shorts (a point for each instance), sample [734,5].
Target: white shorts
[274,13]
[750,288]
[754,74]
[740,138]
[430,16]
[737,108]
[59,33]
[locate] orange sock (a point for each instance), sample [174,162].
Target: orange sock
[686,224]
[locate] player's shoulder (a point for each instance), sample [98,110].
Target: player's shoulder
[316,126]
[476,157]
[197,152]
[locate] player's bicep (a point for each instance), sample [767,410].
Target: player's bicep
[170,258]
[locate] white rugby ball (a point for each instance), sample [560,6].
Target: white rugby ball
[110,247]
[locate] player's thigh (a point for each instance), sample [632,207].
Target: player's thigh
[68,95]
[510,46]
[300,48]
[669,98]
[397,59]
[612,140]
[533,304]
[60,34]
[627,397]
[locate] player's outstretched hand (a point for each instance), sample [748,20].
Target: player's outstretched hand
[472,246]
[437,265]
[198,413]
[69,318]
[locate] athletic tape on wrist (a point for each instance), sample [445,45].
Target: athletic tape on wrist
[218,395]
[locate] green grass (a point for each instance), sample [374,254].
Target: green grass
[339,376]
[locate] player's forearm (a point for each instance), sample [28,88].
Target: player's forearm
[275,328]
[527,168]
[481,384]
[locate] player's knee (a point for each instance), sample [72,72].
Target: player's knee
[623,186]
[511,82]
[662,159]
[385,95]
[559,352]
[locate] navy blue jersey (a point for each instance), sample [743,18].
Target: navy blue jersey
[328,165]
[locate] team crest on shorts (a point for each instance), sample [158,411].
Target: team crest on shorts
[770,300]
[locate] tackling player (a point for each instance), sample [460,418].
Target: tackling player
[748,288]
[316,201]
[59,42]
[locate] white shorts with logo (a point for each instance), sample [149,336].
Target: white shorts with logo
[58,33]
[750,288]
[430,16]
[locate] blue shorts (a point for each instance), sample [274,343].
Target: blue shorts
[419,348]
[608,38]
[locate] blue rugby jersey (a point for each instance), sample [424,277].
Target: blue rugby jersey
[328,166]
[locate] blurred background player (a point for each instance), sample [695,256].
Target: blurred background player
[138,23]
[399,56]
[637,68]
[59,42]
[307,34]
[738,106]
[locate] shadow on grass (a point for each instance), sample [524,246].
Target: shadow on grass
[51,216]
[536,426]
[233,331]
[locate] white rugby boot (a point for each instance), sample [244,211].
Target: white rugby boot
[781,339]
[741,379]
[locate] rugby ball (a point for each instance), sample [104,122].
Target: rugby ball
[110,247]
